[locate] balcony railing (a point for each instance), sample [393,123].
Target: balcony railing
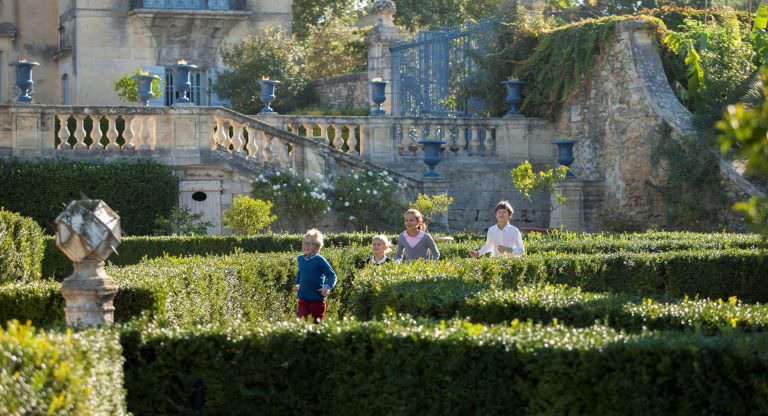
[189,4]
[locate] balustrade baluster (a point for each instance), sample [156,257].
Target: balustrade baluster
[96,134]
[151,141]
[490,143]
[251,147]
[218,125]
[337,137]
[112,134]
[225,139]
[324,134]
[128,133]
[465,137]
[138,131]
[353,140]
[268,151]
[80,134]
[475,142]
[63,133]
[238,141]
[308,130]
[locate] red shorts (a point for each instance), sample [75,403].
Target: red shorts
[314,308]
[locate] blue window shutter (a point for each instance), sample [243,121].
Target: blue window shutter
[213,76]
[158,101]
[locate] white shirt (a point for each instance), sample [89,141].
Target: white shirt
[508,237]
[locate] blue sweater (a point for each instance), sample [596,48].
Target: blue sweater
[314,273]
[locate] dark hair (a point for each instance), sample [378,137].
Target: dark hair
[504,205]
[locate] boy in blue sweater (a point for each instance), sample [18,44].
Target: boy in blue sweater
[315,277]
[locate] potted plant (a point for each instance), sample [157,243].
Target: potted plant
[514,94]
[432,146]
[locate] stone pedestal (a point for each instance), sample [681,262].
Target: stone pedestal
[87,232]
[378,41]
[89,293]
[568,215]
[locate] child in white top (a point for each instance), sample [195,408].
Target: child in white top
[502,238]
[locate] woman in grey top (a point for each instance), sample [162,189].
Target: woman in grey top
[413,243]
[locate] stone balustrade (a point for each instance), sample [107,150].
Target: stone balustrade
[387,139]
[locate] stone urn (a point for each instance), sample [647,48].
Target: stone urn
[378,97]
[144,84]
[182,78]
[431,156]
[87,232]
[24,79]
[565,153]
[514,95]
[267,95]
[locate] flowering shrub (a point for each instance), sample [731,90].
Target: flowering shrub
[300,202]
[366,199]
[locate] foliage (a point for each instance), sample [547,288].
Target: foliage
[334,47]
[274,55]
[301,202]
[60,373]
[431,205]
[414,15]
[692,191]
[127,88]
[182,221]
[404,365]
[368,200]
[744,131]
[247,215]
[526,181]
[138,191]
[308,14]
[21,248]
[719,58]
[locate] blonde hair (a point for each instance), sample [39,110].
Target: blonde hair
[419,217]
[384,239]
[316,236]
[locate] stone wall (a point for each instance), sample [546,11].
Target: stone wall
[343,91]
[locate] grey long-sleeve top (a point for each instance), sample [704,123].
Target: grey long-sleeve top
[424,249]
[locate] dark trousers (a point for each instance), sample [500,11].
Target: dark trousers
[314,308]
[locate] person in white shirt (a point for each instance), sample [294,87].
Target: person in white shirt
[503,238]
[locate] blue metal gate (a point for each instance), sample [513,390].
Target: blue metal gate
[428,72]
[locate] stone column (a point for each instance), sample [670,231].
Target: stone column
[87,232]
[569,214]
[378,41]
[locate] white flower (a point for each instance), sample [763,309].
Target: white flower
[359,201]
[368,191]
[346,203]
[277,173]
[352,218]
[319,175]
[357,189]
[355,176]
[375,192]
[276,187]
[370,173]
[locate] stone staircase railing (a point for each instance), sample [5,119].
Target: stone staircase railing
[176,136]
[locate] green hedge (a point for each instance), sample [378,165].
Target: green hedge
[60,373]
[134,249]
[21,248]
[438,288]
[400,366]
[138,191]
[242,286]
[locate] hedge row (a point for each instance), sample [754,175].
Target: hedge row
[21,248]
[570,306]
[134,249]
[139,191]
[242,286]
[60,373]
[437,287]
[400,366]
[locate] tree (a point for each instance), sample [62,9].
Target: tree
[745,134]
[248,215]
[127,88]
[272,55]
[430,205]
[181,221]
[335,47]
[526,181]
[414,15]
[310,13]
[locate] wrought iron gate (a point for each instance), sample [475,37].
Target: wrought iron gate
[428,72]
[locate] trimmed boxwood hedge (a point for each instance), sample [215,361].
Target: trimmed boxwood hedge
[78,373]
[438,287]
[134,249]
[21,248]
[137,190]
[401,366]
